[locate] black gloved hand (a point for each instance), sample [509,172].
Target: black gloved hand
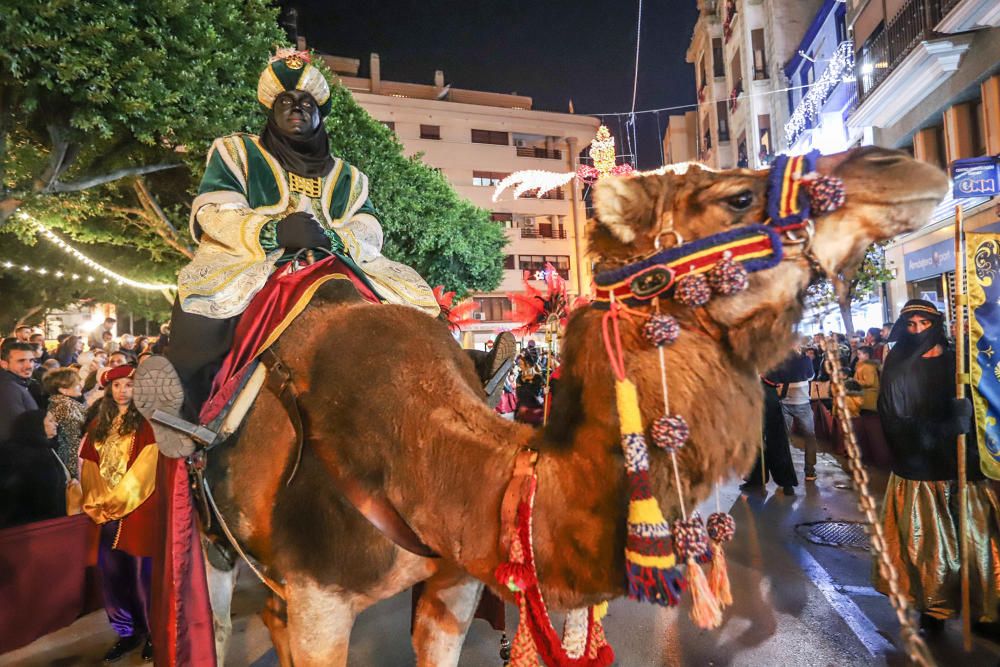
[301,230]
[961,414]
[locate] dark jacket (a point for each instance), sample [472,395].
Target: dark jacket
[32,483]
[921,420]
[796,368]
[15,399]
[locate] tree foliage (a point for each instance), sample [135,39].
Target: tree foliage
[861,285]
[107,108]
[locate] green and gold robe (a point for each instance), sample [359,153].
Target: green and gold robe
[243,195]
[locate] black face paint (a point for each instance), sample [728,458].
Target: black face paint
[295,135]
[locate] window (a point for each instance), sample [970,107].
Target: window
[702,77]
[759,56]
[533,263]
[506,220]
[488,178]
[736,73]
[389,124]
[490,137]
[718,60]
[508,262]
[742,159]
[766,149]
[430,131]
[723,114]
[555,193]
[493,308]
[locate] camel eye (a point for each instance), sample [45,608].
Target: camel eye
[741,201]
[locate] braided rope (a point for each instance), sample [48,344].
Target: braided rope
[916,649]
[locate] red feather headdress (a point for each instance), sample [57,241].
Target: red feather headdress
[533,308]
[457,316]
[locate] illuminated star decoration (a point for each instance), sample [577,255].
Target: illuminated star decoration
[538,182]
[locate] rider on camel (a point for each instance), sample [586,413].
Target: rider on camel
[264,199]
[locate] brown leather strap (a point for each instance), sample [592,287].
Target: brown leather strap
[373,506]
[279,382]
[517,489]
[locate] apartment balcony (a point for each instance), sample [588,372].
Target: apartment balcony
[899,66]
[538,152]
[965,15]
[543,232]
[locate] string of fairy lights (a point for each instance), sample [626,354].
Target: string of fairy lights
[108,276]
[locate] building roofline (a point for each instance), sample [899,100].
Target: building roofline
[486,110]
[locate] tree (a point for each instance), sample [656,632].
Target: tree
[29,295]
[107,109]
[858,284]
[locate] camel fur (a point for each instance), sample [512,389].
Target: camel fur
[388,397]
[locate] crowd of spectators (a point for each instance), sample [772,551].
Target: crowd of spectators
[48,392]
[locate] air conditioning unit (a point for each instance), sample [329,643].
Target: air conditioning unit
[520,143]
[478,315]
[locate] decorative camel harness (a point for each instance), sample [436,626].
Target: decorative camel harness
[691,273]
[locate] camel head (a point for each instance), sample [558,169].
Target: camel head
[887,193]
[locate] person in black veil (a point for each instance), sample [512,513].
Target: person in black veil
[921,419]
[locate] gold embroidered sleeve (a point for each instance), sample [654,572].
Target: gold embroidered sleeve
[230,265]
[103,504]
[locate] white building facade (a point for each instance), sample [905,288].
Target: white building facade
[739,49]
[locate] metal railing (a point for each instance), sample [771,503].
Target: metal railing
[532,151]
[538,233]
[884,51]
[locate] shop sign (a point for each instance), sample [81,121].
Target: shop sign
[935,259]
[930,261]
[975,177]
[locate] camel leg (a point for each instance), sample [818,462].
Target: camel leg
[275,617]
[221,583]
[444,613]
[319,624]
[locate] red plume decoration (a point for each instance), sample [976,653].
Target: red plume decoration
[532,309]
[456,316]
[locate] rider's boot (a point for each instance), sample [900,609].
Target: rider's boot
[493,366]
[157,387]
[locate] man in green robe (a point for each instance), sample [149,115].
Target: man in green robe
[264,199]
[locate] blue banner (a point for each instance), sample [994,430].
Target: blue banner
[975,177]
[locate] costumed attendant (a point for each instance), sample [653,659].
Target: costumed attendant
[118,475]
[921,419]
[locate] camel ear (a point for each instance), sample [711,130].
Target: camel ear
[631,205]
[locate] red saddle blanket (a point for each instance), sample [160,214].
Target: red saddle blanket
[283,298]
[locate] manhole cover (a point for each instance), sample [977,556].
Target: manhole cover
[836,534]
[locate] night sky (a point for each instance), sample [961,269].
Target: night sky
[553,51]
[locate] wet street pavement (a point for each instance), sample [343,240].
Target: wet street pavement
[796,603]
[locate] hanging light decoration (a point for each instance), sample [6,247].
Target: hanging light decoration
[51,236]
[840,69]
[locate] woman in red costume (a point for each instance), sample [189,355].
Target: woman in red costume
[118,475]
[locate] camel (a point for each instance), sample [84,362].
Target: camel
[390,399]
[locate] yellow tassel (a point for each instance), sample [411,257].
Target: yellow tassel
[718,577]
[705,610]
